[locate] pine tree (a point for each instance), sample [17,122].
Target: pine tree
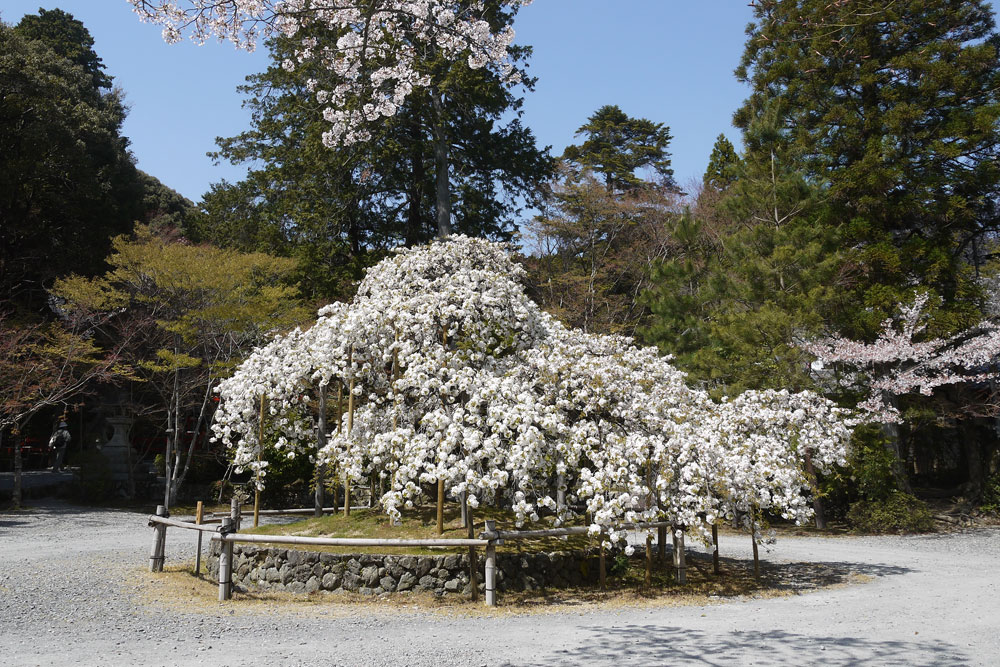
[616,145]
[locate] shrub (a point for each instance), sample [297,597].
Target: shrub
[991,494]
[93,477]
[898,512]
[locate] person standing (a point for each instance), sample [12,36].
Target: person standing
[60,440]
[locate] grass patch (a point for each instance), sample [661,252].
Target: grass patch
[418,523]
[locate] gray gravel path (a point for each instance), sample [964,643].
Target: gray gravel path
[70,584]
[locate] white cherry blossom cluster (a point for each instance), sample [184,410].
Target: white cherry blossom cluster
[895,364]
[458,376]
[376,60]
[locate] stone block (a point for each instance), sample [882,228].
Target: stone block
[369,575]
[331,581]
[406,581]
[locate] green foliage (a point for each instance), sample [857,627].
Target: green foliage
[58,212]
[991,494]
[895,106]
[616,146]
[338,210]
[160,464]
[723,165]
[68,38]
[896,513]
[871,466]
[619,564]
[758,267]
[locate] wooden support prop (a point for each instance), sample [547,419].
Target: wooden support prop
[440,507]
[649,561]
[715,549]
[680,555]
[350,425]
[491,567]
[464,504]
[226,563]
[756,558]
[603,569]
[318,500]
[199,516]
[159,542]
[661,543]
[473,562]
[256,480]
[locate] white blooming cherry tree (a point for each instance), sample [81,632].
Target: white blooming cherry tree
[376,60]
[898,363]
[458,378]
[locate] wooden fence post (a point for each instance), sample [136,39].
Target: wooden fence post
[159,542]
[491,567]
[226,562]
[235,512]
[199,515]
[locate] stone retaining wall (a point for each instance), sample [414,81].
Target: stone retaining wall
[270,569]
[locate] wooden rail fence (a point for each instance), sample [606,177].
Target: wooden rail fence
[226,533]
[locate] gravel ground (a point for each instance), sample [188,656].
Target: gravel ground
[74,592]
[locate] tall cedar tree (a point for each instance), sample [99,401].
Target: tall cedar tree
[68,182]
[339,209]
[896,107]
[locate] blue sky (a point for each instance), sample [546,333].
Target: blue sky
[666,60]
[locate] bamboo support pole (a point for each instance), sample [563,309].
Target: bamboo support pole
[491,567]
[318,500]
[715,549]
[473,562]
[226,563]
[159,541]
[256,481]
[251,538]
[177,523]
[199,516]
[603,569]
[350,425]
[440,507]
[649,561]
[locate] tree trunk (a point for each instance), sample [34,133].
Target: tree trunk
[441,165]
[194,436]
[973,487]
[816,500]
[18,470]
[894,446]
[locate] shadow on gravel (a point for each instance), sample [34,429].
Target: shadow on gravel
[662,645]
[806,576]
